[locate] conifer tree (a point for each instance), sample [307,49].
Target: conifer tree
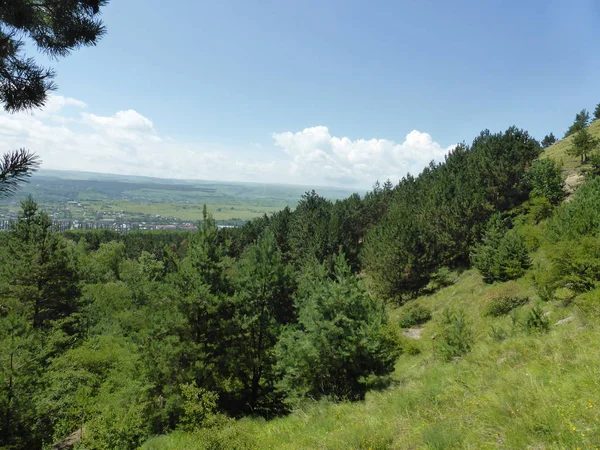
[582,119]
[583,145]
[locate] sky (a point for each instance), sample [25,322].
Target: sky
[323,93]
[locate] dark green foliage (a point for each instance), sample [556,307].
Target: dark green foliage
[37,269]
[434,219]
[538,209]
[15,168]
[502,255]
[456,338]
[548,140]
[582,119]
[575,265]
[594,160]
[338,341]
[583,144]
[546,180]
[56,28]
[597,112]
[262,306]
[579,217]
[414,314]
[536,321]
[504,299]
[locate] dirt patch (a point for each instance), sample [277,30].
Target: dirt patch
[572,182]
[565,320]
[413,333]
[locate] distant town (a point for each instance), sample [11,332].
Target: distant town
[121,222]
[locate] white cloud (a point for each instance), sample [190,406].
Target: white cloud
[317,155]
[123,143]
[127,142]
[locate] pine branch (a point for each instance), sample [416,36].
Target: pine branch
[15,168]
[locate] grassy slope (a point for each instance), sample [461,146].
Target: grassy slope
[529,391]
[558,151]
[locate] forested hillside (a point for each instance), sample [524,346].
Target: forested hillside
[272,335]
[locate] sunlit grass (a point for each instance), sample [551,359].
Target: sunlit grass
[559,150]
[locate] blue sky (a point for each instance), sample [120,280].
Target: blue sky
[314,92]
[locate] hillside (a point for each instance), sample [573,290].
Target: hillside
[519,387]
[530,391]
[349,324]
[558,151]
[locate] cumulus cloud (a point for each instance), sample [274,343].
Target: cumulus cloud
[68,137]
[123,143]
[316,154]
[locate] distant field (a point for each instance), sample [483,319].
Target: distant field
[190,212]
[81,195]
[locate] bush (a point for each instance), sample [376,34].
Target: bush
[456,338]
[439,279]
[579,217]
[565,296]
[502,255]
[595,164]
[341,338]
[544,282]
[536,321]
[575,265]
[540,209]
[503,299]
[546,180]
[498,334]
[414,314]
[589,303]
[199,406]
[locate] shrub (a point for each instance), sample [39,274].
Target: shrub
[414,314]
[575,265]
[503,299]
[540,208]
[595,163]
[199,406]
[456,338]
[440,279]
[546,180]
[536,321]
[580,216]
[502,255]
[341,338]
[543,282]
[565,296]
[589,303]
[498,334]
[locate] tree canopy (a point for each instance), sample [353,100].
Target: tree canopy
[548,140]
[583,144]
[582,119]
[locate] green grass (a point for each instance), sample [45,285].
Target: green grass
[188,212]
[559,150]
